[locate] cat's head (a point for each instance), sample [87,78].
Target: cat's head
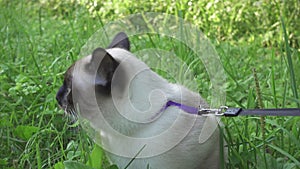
[104,72]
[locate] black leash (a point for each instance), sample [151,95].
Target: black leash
[233,112]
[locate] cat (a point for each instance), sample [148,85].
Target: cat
[121,86]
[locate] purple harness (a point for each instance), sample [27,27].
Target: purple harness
[188,109]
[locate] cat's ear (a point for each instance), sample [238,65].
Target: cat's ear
[120,41]
[105,65]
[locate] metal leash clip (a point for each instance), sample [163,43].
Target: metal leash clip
[218,112]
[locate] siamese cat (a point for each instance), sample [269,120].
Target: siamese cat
[140,105]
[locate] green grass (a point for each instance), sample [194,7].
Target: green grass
[39,40]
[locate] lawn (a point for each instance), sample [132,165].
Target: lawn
[41,39]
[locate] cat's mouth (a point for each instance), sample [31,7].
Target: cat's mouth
[65,102]
[68,109]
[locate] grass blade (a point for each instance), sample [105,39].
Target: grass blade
[290,61]
[135,156]
[286,154]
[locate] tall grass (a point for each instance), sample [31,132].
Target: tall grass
[39,40]
[290,61]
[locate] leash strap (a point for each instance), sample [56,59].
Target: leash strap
[232,112]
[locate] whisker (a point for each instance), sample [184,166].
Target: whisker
[72,115]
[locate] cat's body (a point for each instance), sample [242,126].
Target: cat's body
[132,98]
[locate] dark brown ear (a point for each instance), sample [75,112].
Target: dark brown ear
[105,65]
[120,41]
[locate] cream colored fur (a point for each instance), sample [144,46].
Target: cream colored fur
[148,92]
